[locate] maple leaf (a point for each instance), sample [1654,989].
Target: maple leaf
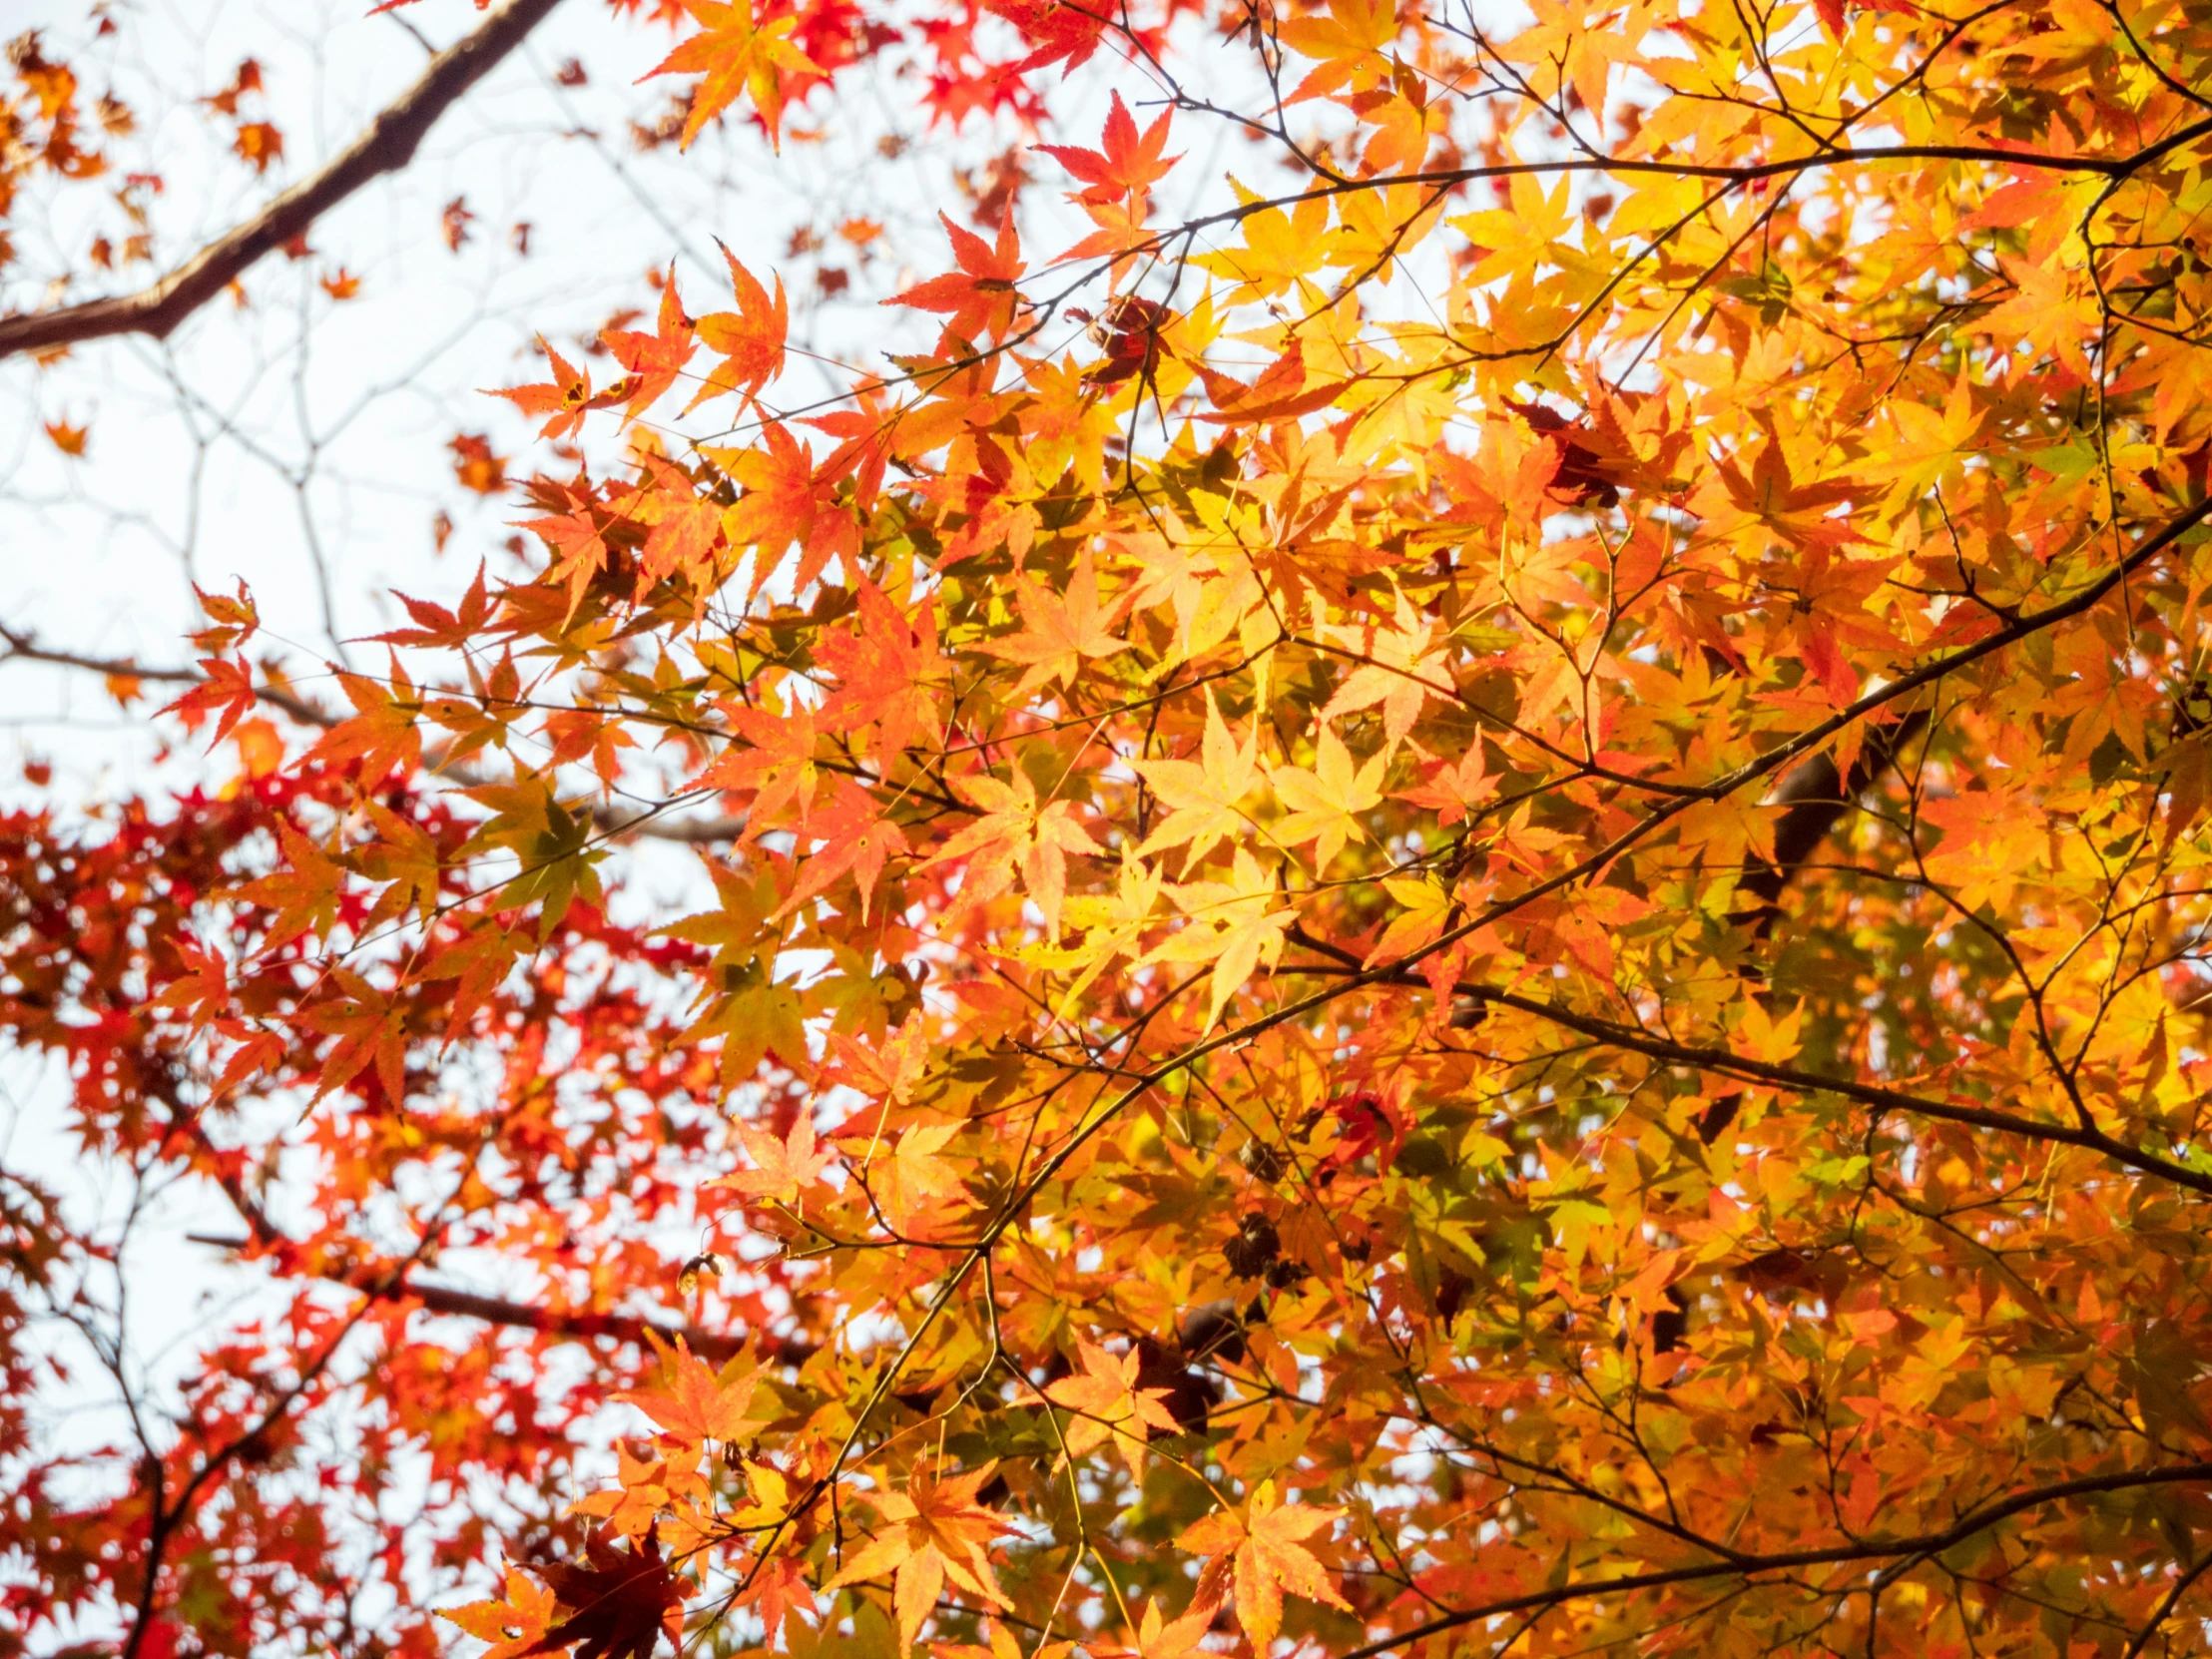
[1057,28]
[1326,803]
[382,734]
[1406,668]
[1117,180]
[932,1531]
[883,672]
[618,1605]
[749,340]
[1269,1558]
[1162,1638]
[305,893]
[1016,833]
[919,1174]
[857,839]
[563,400]
[1108,1406]
[654,361]
[1202,796]
[696,1405]
[436,626]
[228,689]
[515,1624]
[735,55]
[371,1029]
[1234,924]
[1061,629]
[981,298]
[784,1168]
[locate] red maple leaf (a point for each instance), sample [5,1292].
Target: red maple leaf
[1054,28]
[1126,164]
[616,1605]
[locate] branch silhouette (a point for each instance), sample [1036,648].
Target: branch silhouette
[386,144]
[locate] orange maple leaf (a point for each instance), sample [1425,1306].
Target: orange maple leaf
[750,339]
[980,298]
[1267,1559]
[229,687]
[787,1167]
[736,54]
[696,1405]
[514,1624]
[1126,163]
[932,1531]
[564,399]
[1062,629]
[1108,1406]
[654,361]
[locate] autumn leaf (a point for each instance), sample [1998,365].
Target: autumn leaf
[617,1606]
[1204,796]
[695,1405]
[563,400]
[1061,630]
[980,298]
[931,1533]
[1107,1404]
[654,361]
[1326,803]
[784,1168]
[749,340]
[1270,1557]
[736,56]
[1057,30]
[515,1624]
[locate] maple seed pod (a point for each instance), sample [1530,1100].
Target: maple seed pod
[706,1265]
[1213,1330]
[1266,1163]
[1451,1292]
[1253,1247]
[1190,1396]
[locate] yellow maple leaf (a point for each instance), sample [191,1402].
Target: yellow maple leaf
[1203,794]
[1326,801]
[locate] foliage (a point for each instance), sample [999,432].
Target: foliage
[1482,930]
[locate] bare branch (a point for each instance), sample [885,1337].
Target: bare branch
[386,144]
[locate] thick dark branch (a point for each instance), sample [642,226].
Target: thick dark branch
[25,646]
[717,1345]
[386,144]
[1810,799]
[1902,1551]
[1721,1062]
[386,1285]
[616,823]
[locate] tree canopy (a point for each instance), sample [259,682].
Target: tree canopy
[1451,904]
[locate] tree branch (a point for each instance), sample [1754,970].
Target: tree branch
[386,144]
[1903,1551]
[613,821]
[385,1285]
